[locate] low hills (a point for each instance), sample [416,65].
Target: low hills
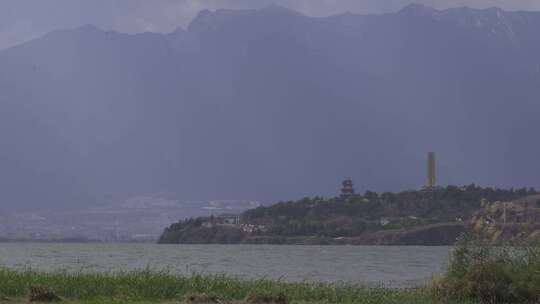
[425,217]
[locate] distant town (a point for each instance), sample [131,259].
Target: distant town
[138,219]
[432,214]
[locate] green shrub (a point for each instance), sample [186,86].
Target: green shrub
[491,274]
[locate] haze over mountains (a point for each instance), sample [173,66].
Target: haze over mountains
[270,104]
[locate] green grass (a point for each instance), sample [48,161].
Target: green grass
[163,287]
[477,273]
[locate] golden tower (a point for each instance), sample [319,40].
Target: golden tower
[431,177]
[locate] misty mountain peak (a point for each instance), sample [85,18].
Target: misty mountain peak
[494,22]
[495,11]
[205,19]
[278,98]
[89,28]
[212,20]
[417,9]
[277,9]
[203,14]
[178,33]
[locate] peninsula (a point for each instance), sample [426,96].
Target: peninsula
[430,216]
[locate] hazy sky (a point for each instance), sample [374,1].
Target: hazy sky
[22,20]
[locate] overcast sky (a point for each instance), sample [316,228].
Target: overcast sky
[22,20]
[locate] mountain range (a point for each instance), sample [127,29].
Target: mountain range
[270,104]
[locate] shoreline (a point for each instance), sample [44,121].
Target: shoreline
[322,244]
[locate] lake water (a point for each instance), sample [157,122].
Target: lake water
[392,266]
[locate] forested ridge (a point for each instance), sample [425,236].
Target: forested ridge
[367,218]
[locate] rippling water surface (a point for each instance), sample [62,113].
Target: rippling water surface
[394,266]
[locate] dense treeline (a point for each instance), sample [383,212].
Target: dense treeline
[338,217]
[434,203]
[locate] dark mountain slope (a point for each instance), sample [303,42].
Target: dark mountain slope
[270,104]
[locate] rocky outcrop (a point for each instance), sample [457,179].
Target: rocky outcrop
[509,222]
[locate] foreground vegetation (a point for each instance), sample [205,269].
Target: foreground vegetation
[151,287]
[491,274]
[478,273]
